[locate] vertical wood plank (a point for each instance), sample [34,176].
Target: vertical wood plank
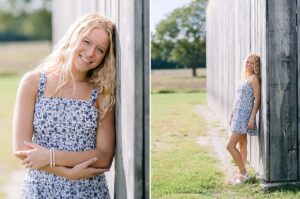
[283,99]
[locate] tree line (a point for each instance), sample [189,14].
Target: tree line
[18,21]
[179,39]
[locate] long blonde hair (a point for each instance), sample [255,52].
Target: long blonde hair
[256,68]
[60,61]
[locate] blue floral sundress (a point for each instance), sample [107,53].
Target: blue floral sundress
[69,125]
[242,110]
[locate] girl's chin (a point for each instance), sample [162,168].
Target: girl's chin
[82,68]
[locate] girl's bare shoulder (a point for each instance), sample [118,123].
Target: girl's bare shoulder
[30,81]
[254,79]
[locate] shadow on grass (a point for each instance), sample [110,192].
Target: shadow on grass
[165,91]
[284,188]
[191,77]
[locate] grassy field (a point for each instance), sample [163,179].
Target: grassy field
[179,80]
[8,87]
[180,168]
[19,57]
[15,59]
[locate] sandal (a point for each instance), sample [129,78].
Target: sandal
[240,179]
[233,179]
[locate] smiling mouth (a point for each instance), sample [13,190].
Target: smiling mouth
[85,59]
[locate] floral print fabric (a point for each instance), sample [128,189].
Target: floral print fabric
[69,125]
[242,110]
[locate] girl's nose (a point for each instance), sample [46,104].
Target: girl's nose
[90,51]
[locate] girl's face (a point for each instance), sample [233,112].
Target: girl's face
[91,50]
[250,65]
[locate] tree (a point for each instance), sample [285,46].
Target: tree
[25,20]
[180,37]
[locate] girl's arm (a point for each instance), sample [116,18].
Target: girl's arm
[23,128]
[256,90]
[79,171]
[38,156]
[23,112]
[105,146]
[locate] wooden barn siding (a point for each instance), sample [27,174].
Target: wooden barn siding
[129,176]
[282,63]
[268,28]
[298,82]
[235,28]
[258,149]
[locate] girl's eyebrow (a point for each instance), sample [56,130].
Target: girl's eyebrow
[94,42]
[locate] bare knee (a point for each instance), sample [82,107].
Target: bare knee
[229,147]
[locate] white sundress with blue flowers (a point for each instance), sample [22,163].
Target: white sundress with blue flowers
[68,125]
[242,110]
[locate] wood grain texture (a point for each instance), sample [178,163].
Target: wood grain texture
[235,28]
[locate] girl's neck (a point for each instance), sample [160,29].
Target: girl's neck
[248,75]
[79,76]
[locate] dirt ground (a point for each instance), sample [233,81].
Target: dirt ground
[216,137]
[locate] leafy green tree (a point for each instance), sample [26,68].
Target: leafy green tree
[25,20]
[180,37]
[38,25]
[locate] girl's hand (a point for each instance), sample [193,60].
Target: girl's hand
[35,158]
[229,122]
[230,119]
[251,124]
[82,170]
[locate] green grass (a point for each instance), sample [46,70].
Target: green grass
[180,168]
[8,89]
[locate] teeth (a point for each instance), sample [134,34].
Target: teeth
[85,60]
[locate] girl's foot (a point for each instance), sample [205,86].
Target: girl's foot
[233,179]
[239,179]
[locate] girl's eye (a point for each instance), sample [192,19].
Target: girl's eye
[86,41]
[100,50]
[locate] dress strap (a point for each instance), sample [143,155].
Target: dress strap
[42,85]
[94,96]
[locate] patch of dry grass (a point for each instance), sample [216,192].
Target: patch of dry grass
[177,80]
[18,57]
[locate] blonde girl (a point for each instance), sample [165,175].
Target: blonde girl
[63,127]
[242,116]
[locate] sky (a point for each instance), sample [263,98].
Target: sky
[160,8]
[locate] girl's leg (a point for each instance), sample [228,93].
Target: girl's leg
[243,148]
[231,147]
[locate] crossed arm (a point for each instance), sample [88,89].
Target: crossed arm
[72,165]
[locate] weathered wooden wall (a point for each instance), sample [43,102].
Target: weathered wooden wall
[129,176]
[282,72]
[235,28]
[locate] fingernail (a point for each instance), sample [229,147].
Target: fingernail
[95,159]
